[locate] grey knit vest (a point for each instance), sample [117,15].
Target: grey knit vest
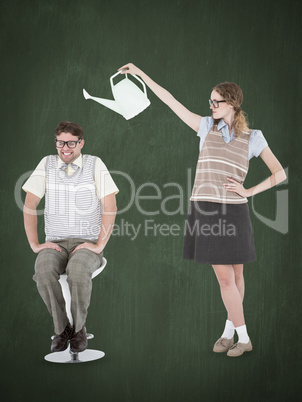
[72,208]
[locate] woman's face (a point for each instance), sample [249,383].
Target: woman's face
[224,110]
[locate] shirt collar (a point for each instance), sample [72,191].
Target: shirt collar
[221,124]
[78,161]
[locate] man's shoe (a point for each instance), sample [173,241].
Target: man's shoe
[239,348]
[78,341]
[223,345]
[60,342]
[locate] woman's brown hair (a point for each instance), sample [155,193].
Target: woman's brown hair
[232,93]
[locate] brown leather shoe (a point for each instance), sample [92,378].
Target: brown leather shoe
[223,345]
[78,341]
[239,348]
[60,342]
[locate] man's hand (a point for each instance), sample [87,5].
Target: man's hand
[90,246]
[36,248]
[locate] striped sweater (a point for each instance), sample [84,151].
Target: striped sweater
[217,161]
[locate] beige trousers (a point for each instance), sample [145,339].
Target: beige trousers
[79,267]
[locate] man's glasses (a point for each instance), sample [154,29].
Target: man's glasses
[70,144]
[215,103]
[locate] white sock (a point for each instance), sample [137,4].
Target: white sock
[242,334]
[229,330]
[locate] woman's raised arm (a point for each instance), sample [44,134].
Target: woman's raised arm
[191,119]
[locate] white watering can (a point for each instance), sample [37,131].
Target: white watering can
[129,99]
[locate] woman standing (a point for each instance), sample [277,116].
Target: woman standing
[218,227]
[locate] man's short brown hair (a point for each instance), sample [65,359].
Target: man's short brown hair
[69,127]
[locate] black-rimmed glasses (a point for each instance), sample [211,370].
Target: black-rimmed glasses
[215,103]
[70,144]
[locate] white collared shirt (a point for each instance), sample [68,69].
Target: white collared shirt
[36,183]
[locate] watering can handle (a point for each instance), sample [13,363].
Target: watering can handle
[133,75]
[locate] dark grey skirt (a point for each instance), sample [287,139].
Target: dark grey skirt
[219,234]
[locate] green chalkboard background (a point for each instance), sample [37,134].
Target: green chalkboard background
[155,315]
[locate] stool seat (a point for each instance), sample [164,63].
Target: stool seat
[67,356]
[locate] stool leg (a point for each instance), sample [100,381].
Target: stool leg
[74,358]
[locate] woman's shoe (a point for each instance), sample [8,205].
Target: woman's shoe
[223,345]
[239,348]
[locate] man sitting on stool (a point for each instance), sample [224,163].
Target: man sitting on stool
[79,214]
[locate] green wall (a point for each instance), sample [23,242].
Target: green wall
[155,315]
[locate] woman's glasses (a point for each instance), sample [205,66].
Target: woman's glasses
[215,103]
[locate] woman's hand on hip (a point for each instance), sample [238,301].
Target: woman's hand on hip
[235,187]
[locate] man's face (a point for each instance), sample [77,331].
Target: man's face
[69,155]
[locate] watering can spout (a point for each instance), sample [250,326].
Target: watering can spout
[129,99]
[111,104]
